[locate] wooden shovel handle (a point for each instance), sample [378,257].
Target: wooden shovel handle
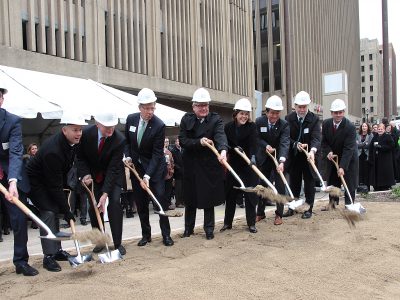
[224,162]
[16,201]
[147,189]
[273,157]
[335,160]
[94,203]
[71,222]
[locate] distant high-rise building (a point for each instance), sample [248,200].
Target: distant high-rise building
[298,41]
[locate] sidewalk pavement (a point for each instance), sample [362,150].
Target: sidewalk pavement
[131,229]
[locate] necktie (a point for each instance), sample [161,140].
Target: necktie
[141,131]
[1,173]
[334,128]
[300,129]
[100,175]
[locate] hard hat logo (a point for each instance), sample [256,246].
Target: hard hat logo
[201,95]
[70,117]
[243,104]
[338,105]
[146,96]
[274,102]
[302,98]
[107,119]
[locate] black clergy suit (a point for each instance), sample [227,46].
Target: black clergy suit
[148,158]
[107,170]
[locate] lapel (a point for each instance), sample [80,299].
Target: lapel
[338,130]
[146,132]
[2,118]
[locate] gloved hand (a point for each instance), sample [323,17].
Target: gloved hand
[68,216]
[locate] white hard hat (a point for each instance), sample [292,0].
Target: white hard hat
[302,98]
[107,119]
[243,104]
[70,117]
[146,96]
[201,95]
[338,105]
[274,102]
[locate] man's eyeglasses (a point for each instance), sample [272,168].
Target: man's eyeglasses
[201,105]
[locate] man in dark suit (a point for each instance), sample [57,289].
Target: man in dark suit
[339,138]
[177,152]
[305,131]
[145,134]
[100,162]
[273,133]
[48,176]
[204,175]
[12,174]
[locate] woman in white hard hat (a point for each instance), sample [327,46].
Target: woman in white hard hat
[241,132]
[339,138]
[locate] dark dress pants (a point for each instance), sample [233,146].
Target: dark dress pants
[114,211]
[190,219]
[334,180]
[51,219]
[230,207]
[300,169]
[269,171]
[19,227]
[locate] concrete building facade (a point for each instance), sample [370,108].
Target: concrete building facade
[298,41]
[170,46]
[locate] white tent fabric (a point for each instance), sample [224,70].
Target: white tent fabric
[84,96]
[23,102]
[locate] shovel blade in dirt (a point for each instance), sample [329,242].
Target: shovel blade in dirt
[110,256]
[75,261]
[296,203]
[356,208]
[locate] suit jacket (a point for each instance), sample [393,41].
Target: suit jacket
[150,153]
[364,146]
[278,138]
[109,162]
[48,170]
[11,149]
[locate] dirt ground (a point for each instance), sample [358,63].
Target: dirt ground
[319,258]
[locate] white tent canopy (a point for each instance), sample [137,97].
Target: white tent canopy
[32,92]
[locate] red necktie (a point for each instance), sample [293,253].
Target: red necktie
[334,128]
[100,175]
[1,173]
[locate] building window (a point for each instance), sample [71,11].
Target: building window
[362,89]
[363,111]
[362,57]
[370,57]
[371,109]
[371,67]
[371,77]
[362,68]
[371,99]
[371,88]
[362,99]
[362,79]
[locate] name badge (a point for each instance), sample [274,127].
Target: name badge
[306,130]
[132,128]
[263,129]
[5,146]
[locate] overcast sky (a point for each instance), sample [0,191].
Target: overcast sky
[371,27]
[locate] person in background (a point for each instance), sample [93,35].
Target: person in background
[177,152]
[169,174]
[32,149]
[392,130]
[374,129]
[241,132]
[364,137]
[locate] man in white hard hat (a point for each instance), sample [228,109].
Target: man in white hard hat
[145,135]
[339,138]
[273,136]
[100,163]
[204,176]
[305,132]
[12,177]
[47,172]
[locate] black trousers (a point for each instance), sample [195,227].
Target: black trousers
[142,204]
[114,211]
[334,180]
[51,219]
[300,169]
[82,201]
[209,219]
[230,207]
[269,171]
[179,191]
[19,227]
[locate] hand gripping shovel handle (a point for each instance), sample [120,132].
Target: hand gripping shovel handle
[147,189]
[273,157]
[311,162]
[335,161]
[94,203]
[72,225]
[255,169]
[227,165]
[29,213]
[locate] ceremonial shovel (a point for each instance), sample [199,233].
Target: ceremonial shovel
[109,256]
[169,213]
[59,236]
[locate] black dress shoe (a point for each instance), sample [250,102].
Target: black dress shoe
[225,227]
[129,214]
[83,222]
[26,270]
[50,264]
[98,249]
[34,225]
[144,241]
[209,236]
[187,233]
[289,213]
[167,241]
[61,255]
[6,231]
[121,249]
[1,238]
[253,229]
[306,215]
